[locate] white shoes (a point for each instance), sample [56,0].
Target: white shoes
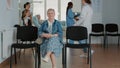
[46,59]
[85,55]
[92,51]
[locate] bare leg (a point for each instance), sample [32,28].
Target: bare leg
[53,60]
[46,58]
[48,54]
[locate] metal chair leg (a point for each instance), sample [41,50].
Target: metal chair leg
[39,57]
[65,57]
[15,56]
[11,59]
[118,41]
[90,58]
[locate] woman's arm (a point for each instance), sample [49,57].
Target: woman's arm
[82,16]
[41,31]
[60,31]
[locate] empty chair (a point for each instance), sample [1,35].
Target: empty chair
[97,31]
[76,33]
[27,35]
[111,29]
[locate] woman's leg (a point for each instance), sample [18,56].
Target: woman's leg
[53,60]
[47,56]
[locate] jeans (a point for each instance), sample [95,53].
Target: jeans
[80,42]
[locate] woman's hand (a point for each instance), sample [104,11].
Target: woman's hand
[46,35]
[49,35]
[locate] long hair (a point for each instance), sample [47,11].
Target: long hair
[70,5]
[27,3]
[24,13]
[88,1]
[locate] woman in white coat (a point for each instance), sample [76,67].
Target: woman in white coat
[85,19]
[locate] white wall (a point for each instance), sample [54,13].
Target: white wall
[8,18]
[105,11]
[76,5]
[111,14]
[111,11]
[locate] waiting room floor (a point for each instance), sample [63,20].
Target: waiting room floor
[102,58]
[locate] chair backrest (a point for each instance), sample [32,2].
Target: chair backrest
[27,33]
[76,33]
[111,27]
[97,27]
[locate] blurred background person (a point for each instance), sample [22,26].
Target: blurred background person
[37,20]
[85,20]
[26,7]
[26,18]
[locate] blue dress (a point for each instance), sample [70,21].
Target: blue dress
[53,44]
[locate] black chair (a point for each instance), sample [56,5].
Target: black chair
[97,31]
[111,29]
[26,34]
[76,33]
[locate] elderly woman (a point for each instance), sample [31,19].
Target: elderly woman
[51,32]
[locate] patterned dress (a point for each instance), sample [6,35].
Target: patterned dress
[52,44]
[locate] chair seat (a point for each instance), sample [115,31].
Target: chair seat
[112,34]
[77,45]
[20,45]
[96,34]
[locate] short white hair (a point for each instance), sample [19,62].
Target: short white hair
[50,9]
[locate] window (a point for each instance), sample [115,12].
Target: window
[41,6]
[38,8]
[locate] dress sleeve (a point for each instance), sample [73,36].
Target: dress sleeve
[71,14]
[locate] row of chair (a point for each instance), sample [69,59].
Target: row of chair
[74,32]
[110,29]
[26,34]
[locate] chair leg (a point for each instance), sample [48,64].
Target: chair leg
[19,53]
[118,41]
[15,56]
[104,41]
[39,57]
[65,57]
[11,59]
[35,58]
[90,39]
[33,51]
[88,56]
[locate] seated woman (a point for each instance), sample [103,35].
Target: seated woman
[51,32]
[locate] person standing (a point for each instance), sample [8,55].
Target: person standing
[51,32]
[27,8]
[26,19]
[85,20]
[70,17]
